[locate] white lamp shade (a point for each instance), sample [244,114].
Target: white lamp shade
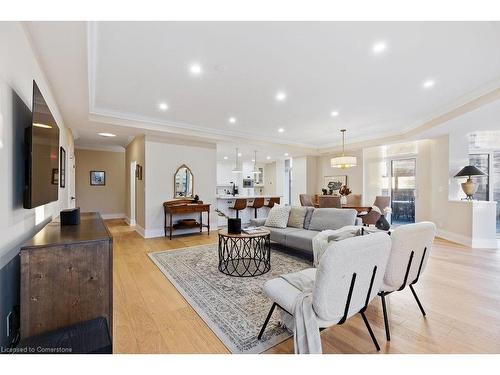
[344,162]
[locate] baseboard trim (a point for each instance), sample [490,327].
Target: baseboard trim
[480,243]
[130,222]
[454,237]
[113,216]
[140,230]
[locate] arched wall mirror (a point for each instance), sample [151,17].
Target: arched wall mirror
[183,182]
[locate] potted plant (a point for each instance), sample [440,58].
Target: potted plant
[344,191]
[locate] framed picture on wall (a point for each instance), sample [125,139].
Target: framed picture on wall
[334,183]
[55,176]
[138,172]
[62,168]
[97,178]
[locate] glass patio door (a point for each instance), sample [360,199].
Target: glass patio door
[403,184]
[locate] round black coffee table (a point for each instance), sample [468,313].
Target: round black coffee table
[244,255]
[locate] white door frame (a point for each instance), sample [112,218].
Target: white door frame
[133,200]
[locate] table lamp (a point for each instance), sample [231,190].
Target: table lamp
[468,186]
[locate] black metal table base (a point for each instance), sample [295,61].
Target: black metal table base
[244,256]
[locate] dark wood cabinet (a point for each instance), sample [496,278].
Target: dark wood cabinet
[67,276]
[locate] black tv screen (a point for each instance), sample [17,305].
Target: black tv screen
[42,154]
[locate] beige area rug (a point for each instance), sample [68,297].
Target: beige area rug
[233,307]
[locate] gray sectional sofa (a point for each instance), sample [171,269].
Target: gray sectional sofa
[315,221]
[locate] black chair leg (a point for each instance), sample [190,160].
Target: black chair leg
[418,301]
[267,321]
[386,320]
[367,324]
[237,214]
[255,212]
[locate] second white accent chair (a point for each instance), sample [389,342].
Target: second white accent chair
[348,277]
[411,246]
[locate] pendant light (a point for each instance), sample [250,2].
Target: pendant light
[343,161]
[255,169]
[237,168]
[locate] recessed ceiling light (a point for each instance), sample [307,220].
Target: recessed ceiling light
[232,120]
[379,47]
[280,96]
[428,84]
[334,113]
[195,69]
[107,134]
[281,130]
[225,158]
[286,154]
[268,157]
[253,160]
[239,154]
[163,106]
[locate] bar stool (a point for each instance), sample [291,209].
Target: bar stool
[273,201]
[257,203]
[239,204]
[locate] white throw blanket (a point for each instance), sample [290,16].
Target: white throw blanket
[322,240]
[303,323]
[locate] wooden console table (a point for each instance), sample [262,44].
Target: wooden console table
[185,206]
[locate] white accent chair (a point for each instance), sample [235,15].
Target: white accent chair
[411,246]
[348,278]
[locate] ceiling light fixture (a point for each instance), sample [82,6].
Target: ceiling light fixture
[286,153]
[334,113]
[343,161]
[225,158]
[163,106]
[240,154]
[281,130]
[428,84]
[237,168]
[280,96]
[255,169]
[268,157]
[107,134]
[379,47]
[232,120]
[195,69]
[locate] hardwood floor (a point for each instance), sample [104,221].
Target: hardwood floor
[460,290]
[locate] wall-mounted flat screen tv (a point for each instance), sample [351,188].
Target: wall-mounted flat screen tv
[42,155]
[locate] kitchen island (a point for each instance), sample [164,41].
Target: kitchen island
[224,201]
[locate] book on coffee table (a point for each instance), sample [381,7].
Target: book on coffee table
[253,230]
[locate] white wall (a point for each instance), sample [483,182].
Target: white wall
[162,160]
[18,68]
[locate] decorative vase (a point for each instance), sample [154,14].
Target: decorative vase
[382,223]
[234,226]
[343,200]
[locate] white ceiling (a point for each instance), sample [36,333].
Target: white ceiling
[111,76]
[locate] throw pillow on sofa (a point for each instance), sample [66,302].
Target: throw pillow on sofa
[278,216]
[297,216]
[332,218]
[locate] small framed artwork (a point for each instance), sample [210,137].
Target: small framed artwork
[55,176]
[334,183]
[97,178]
[138,172]
[62,167]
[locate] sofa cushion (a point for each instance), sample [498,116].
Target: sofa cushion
[278,216]
[301,239]
[279,234]
[296,218]
[307,219]
[332,218]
